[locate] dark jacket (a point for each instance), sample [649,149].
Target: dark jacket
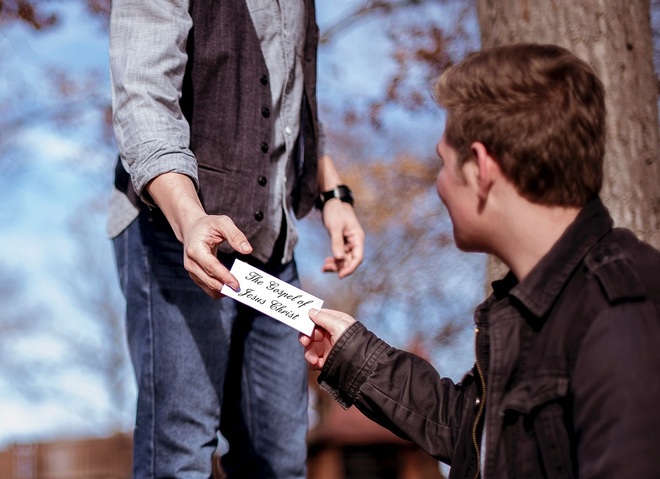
[567,375]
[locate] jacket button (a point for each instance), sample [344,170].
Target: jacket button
[262,180]
[264,147]
[265,112]
[264,80]
[259,215]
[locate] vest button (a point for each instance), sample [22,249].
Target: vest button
[259,215]
[264,80]
[264,147]
[265,112]
[262,180]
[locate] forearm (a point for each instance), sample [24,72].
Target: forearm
[176,196]
[328,177]
[396,389]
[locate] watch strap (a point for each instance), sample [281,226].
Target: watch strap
[341,192]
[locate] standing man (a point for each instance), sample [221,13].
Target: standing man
[215,116]
[565,382]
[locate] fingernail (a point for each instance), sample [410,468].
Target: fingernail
[313,312]
[245,247]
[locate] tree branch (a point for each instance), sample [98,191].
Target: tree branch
[371,7]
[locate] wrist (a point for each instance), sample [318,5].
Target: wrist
[341,192]
[177,198]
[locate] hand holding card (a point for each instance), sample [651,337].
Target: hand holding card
[273,297]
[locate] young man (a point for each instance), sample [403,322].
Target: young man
[215,116]
[566,381]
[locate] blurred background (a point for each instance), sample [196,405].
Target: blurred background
[64,371]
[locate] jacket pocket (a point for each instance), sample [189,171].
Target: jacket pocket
[537,424]
[532,393]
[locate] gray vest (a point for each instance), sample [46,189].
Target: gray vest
[226,100]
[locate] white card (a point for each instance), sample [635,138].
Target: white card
[273,297]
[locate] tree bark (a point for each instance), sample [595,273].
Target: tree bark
[615,38]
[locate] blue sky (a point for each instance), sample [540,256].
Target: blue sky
[48,186]
[42,197]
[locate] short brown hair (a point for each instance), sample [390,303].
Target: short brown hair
[539,111]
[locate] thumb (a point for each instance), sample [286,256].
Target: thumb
[234,236]
[334,322]
[318,320]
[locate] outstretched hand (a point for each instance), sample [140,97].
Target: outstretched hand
[200,234]
[200,246]
[330,325]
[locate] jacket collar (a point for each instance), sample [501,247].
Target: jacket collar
[544,283]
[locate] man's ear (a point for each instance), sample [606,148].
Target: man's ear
[487,169]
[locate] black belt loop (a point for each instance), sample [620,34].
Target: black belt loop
[122,178]
[124,185]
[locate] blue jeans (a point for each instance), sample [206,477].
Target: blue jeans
[204,366]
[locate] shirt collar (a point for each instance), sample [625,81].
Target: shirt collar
[547,279]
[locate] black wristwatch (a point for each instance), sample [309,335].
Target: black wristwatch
[341,192]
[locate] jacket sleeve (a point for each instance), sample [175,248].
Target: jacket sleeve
[617,393]
[398,390]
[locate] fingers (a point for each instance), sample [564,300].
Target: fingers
[204,268]
[316,348]
[213,292]
[315,363]
[337,243]
[330,265]
[234,236]
[314,354]
[353,256]
[346,239]
[201,243]
[330,325]
[304,339]
[354,252]
[207,271]
[333,322]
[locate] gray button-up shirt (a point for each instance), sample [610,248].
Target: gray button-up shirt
[148,59]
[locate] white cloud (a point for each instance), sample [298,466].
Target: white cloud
[51,145]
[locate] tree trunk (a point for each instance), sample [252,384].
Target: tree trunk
[614,37]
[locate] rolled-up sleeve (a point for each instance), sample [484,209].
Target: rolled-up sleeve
[147,64]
